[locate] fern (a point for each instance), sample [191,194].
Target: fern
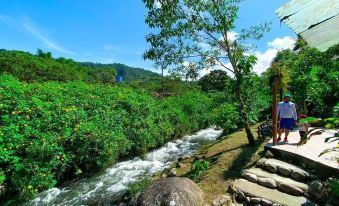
[199,167]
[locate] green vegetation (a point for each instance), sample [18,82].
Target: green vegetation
[136,187]
[43,67]
[217,80]
[313,78]
[162,87]
[199,167]
[62,120]
[191,35]
[226,116]
[127,73]
[51,132]
[335,188]
[227,159]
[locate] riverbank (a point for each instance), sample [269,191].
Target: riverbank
[227,157]
[108,187]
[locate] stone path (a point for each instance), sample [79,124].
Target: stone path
[309,152]
[269,196]
[273,182]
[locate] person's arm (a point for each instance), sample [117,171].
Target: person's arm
[294,112]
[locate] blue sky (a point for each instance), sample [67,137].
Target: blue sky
[112,30]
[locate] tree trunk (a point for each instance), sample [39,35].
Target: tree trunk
[162,81]
[274,111]
[243,113]
[281,93]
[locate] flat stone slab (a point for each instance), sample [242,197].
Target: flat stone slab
[272,195]
[279,163]
[311,149]
[280,179]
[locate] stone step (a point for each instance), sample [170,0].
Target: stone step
[259,173]
[285,169]
[262,195]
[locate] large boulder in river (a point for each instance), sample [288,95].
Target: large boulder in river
[173,191]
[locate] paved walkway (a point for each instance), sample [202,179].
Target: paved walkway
[311,149]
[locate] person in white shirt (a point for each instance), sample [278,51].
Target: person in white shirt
[287,116]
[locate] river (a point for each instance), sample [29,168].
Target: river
[108,186]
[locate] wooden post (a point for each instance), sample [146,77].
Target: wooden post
[274,111]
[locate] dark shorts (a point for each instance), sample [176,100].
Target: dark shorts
[286,123]
[302,134]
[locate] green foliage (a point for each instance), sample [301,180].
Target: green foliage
[51,132]
[336,110]
[102,75]
[127,73]
[42,67]
[162,87]
[309,120]
[199,168]
[2,178]
[331,122]
[136,187]
[313,78]
[216,80]
[226,116]
[335,188]
[197,32]
[256,95]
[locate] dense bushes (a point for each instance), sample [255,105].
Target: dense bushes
[51,132]
[226,116]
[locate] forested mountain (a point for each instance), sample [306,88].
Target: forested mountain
[128,73]
[42,67]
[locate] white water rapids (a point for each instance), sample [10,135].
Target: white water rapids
[110,185]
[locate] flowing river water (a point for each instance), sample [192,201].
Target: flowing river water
[108,186]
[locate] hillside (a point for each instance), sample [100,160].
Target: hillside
[42,67]
[128,73]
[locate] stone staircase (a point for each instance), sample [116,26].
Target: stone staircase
[274,182]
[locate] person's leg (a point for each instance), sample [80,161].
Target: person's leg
[287,131]
[280,131]
[302,134]
[289,126]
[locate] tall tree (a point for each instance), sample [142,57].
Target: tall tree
[200,31]
[216,80]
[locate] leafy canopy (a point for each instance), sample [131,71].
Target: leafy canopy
[198,31]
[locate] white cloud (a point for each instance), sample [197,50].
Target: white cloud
[265,58]
[29,26]
[157,4]
[286,42]
[216,67]
[232,35]
[25,25]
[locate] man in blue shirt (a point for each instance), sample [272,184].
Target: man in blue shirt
[288,116]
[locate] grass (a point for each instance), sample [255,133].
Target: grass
[228,157]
